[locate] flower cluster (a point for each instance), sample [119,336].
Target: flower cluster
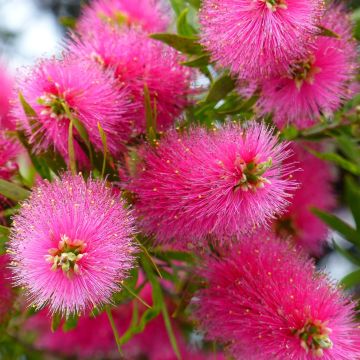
[200,188]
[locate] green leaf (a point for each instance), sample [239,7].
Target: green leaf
[177,5]
[352,194]
[338,225]
[183,27]
[220,88]
[67,21]
[195,3]
[55,322]
[184,44]
[351,279]
[12,191]
[290,132]
[150,116]
[70,323]
[198,61]
[4,235]
[327,32]
[105,148]
[338,160]
[349,147]
[71,148]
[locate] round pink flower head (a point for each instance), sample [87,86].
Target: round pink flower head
[314,190]
[318,83]
[139,61]
[215,183]
[258,38]
[6,293]
[266,302]
[6,85]
[59,90]
[71,244]
[146,15]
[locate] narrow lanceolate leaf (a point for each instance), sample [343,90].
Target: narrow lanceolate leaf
[338,160]
[346,254]
[150,115]
[183,27]
[198,61]
[4,235]
[338,225]
[70,323]
[13,191]
[55,322]
[351,280]
[327,32]
[105,148]
[184,44]
[71,148]
[352,193]
[221,87]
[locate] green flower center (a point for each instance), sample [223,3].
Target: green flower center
[314,337]
[304,71]
[273,5]
[251,178]
[53,106]
[66,256]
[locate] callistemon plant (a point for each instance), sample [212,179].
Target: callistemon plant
[71,244]
[220,183]
[174,183]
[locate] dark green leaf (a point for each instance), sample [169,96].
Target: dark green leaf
[177,5]
[70,323]
[150,115]
[71,148]
[351,279]
[12,191]
[198,62]
[338,160]
[220,88]
[184,44]
[55,322]
[327,32]
[352,193]
[338,225]
[346,254]
[195,3]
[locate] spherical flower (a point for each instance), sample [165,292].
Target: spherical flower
[266,302]
[140,62]
[314,191]
[218,183]
[6,85]
[147,15]
[318,83]
[258,38]
[6,293]
[71,244]
[59,90]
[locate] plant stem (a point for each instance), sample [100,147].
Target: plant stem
[114,329]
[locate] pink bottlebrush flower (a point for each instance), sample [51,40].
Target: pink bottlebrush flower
[320,82]
[314,191]
[139,61]
[6,86]
[6,293]
[266,302]
[258,38]
[92,97]
[71,244]
[147,15]
[218,183]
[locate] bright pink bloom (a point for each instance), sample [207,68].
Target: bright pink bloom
[215,183]
[258,38]
[6,85]
[266,302]
[314,191]
[147,15]
[92,97]
[6,293]
[320,82]
[71,244]
[139,61]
